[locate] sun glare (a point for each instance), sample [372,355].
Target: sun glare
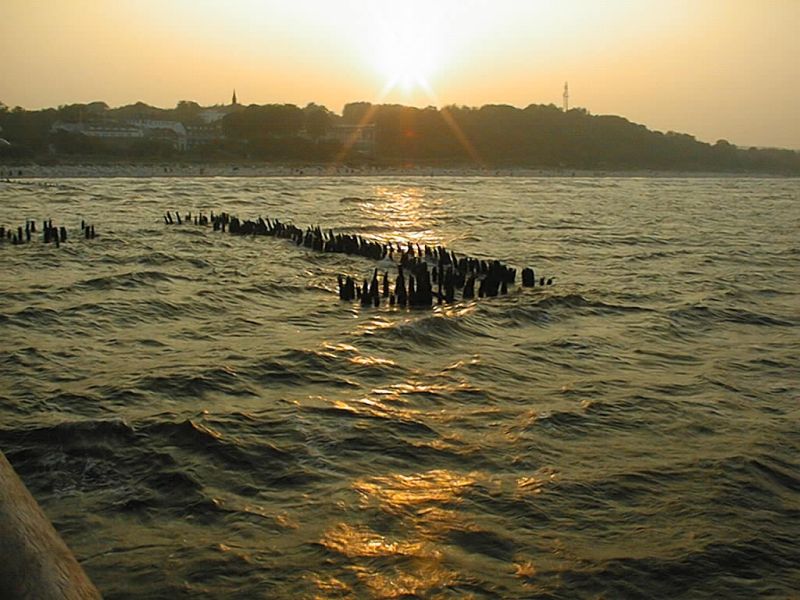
[407,45]
[405,64]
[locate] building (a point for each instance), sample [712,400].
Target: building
[105,130]
[215,114]
[359,138]
[173,132]
[201,135]
[181,137]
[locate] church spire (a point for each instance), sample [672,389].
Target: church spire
[233,100]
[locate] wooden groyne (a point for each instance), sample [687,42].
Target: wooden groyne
[425,274]
[50,233]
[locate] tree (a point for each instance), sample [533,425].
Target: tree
[188,112]
[318,120]
[358,113]
[255,123]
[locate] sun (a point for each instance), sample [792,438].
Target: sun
[407,59]
[406,45]
[406,63]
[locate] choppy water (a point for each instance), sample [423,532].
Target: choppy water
[201,417]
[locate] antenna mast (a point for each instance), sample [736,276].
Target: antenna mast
[566,96]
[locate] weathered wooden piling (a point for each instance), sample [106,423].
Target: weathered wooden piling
[420,266]
[35,563]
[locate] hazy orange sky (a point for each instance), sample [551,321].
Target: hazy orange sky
[713,68]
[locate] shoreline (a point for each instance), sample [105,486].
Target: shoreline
[133,171]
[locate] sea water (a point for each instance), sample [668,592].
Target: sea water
[201,416]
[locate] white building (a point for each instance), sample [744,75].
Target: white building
[100,130]
[173,131]
[213,115]
[217,113]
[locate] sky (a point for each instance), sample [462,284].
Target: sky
[717,69]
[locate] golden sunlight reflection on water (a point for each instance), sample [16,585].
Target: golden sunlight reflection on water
[428,513]
[405,495]
[374,409]
[422,503]
[405,391]
[407,212]
[427,507]
[360,541]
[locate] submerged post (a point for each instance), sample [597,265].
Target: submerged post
[35,563]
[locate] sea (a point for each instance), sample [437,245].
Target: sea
[201,416]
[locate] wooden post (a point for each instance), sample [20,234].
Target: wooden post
[35,563]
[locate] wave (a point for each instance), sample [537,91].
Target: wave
[706,315]
[530,308]
[130,280]
[195,384]
[357,200]
[428,331]
[255,459]
[746,567]
[33,316]
[340,361]
[74,433]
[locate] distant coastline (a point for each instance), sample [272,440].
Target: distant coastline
[366,138]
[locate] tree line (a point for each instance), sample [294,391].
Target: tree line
[491,136]
[546,136]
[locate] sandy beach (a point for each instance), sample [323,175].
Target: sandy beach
[132,170]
